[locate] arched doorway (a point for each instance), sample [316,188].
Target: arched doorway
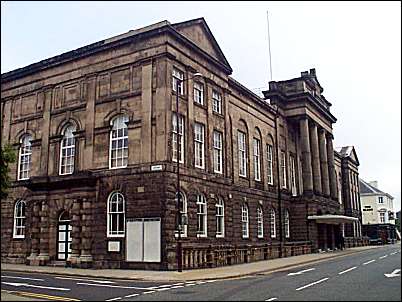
[64,236]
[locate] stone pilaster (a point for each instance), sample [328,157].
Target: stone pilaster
[331,167]
[306,156]
[86,256]
[146,113]
[44,234]
[324,163]
[75,234]
[315,159]
[35,228]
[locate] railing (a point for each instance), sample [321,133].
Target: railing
[214,256]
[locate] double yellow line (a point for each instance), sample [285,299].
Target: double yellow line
[41,296]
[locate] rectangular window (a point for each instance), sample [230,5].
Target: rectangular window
[216,102]
[380,199]
[382,217]
[201,216]
[244,221]
[257,159]
[260,223]
[217,144]
[199,130]
[272,223]
[178,144]
[242,154]
[177,79]
[270,175]
[283,167]
[198,93]
[220,220]
[293,175]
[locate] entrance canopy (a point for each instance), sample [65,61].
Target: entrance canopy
[332,219]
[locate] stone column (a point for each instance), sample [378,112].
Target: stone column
[331,167]
[305,148]
[86,237]
[44,234]
[75,234]
[315,160]
[324,163]
[34,234]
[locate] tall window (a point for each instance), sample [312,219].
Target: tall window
[198,93]
[216,102]
[183,213]
[119,143]
[380,199]
[260,223]
[293,175]
[244,220]
[19,219]
[201,216]
[220,218]
[287,226]
[257,159]
[67,151]
[178,144]
[115,215]
[24,160]
[272,222]
[218,162]
[177,76]
[283,167]
[270,175]
[242,154]
[199,131]
[382,217]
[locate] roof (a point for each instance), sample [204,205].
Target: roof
[366,188]
[332,219]
[348,152]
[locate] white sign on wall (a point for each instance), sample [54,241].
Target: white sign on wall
[113,246]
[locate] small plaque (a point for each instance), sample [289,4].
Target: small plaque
[113,246]
[156,168]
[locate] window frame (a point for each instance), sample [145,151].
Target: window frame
[117,139]
[181,136]
[177,74]
[380,199]
[183,212]
[245,221]
[270,172]
[19,204]
[118,233]
[25,151]
[220,204]
[287,223]
[260,222]
[217,102]
[202,216]
[283,168]
[257,158]
[218,151]
[293,186]
[272,223]
[66,147]
[199,145]
[198,93]
[242,151]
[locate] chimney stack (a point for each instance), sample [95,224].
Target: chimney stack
[374,184]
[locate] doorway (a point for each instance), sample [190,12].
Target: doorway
[64,236]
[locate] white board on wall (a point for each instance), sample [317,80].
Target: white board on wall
[134,239]
[152,240]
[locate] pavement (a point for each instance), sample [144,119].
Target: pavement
[224,272]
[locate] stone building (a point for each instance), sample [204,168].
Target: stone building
[98,141]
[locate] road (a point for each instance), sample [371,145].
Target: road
[371,275]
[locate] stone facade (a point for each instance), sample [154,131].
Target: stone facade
[131,75]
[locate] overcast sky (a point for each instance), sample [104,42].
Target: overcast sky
[355,48]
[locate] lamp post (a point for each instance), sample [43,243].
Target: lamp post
[178,215]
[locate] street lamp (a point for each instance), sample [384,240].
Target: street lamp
[179,217]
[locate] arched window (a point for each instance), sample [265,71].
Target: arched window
[201,216]
[24,159]
[220,218]
[119,143]
[19,219]
[272,221]
[287,226]
[257,154]
[260,223]
[67,151]
[183,212]
[115,215]
[244,220]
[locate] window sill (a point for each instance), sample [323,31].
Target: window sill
[220,236]
[200,105]
[201,236]
[218,114]
[115,236]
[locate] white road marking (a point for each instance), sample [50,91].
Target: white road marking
[177,286]
[165,285]
[271,299]
[311,284]
[190,284]
[149,292]
[301,272]
[382,257]
[395,273]
[394,253]
[132,295]
[162,289]
[181,283]
[37,286]
[24,278]
[348,270]
[113,286]
[368,262]
[89,280]
[114,299]
[201,282]
[210,281]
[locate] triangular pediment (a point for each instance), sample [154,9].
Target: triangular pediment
[198,32]
[353,155]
